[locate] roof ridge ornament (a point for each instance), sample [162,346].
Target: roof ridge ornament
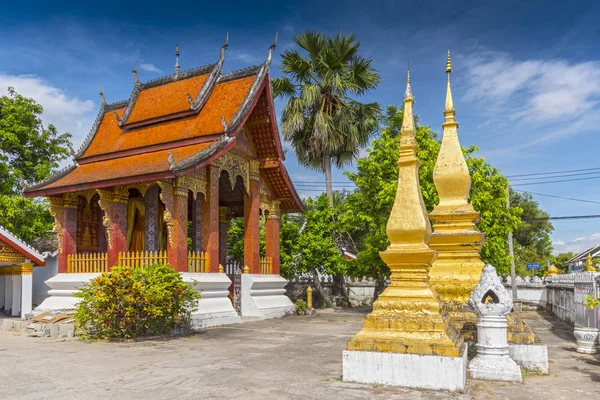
[224,123]
[177,66]
[136,79]
[171,160]
[271,48]
[102,96]
[117,116]
[206,89]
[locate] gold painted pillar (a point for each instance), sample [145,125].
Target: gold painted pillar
[456,271]
[408,317]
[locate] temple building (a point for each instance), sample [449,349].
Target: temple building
[17,260]
[160,175]
[191,149]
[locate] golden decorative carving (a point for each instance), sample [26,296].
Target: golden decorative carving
[192,182]
[408,317]
[254,170]
[10,254]
[71,200]
[456,271]
[166,195]
[56,210]
[106,202]
[235,166]
[141,187]
[23,269]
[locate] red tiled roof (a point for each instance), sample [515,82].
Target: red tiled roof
[224,100]
[166,99]
[124,167]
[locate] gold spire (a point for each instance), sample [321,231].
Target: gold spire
[177,60]
[456,271]
[449,109]
[408,316]
[408,94]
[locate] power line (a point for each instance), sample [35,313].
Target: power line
[559,197]
[554,177]
[552,173]
[558,181]
[564,218]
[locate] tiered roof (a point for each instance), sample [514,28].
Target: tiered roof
[175,124]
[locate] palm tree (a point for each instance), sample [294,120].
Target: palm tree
[321,121]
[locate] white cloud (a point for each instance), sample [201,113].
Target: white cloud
[245,58]
[150,67]
[578,245]
[534,90]
[67,113]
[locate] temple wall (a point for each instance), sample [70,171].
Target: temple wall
[88,217]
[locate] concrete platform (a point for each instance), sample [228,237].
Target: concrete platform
[406,370]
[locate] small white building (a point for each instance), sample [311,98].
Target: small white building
[577,263]
[17,260]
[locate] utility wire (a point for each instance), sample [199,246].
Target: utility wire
[558,197]
[552,173]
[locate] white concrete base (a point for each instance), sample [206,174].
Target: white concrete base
[407,370]
[530,357]
[264,296]
[498,368]
[62,291]
[214,308]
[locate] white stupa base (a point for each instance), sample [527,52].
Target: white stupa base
[264,296]
[530,357]
[495,368]
[214,307]
[406,370]
[62,292]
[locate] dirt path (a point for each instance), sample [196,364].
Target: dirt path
[292,358]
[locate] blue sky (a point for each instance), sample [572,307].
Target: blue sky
[526,78]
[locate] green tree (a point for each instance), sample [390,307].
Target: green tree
[29,152]
[289,232]
[560,260]
[321,119]
[532,241]
[368,208]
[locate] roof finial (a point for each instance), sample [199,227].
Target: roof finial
[136,80]
[177,60]
[408,94]
[224,47]
[102,95]
[449,109]
[271,48]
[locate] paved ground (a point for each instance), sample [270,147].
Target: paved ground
[292,358]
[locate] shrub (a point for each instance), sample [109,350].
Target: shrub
[301,306]
[129,302]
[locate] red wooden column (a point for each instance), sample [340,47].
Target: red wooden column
[252,222]
[114,206]
[223,230]
[178,246]
[210,218]
[64,212]
[272,236]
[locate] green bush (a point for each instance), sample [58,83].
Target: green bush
[130,302]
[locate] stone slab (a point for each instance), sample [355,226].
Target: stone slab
[264,296]
[530,357]
[406,370]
